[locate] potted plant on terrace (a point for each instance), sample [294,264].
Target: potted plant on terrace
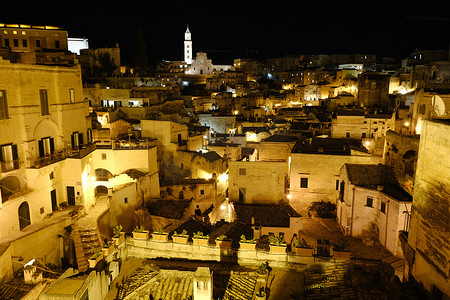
[339,249]
[303,248]
[199,239]
[96,257]
[108,247]
[245,244]
[118,235]
[160,236]
[223,242]
[263,270]
[180,238]
[140,233]
[277,244]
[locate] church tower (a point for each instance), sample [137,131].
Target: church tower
[187,46]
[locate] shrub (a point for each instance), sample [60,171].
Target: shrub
[139,229]
[117,230]
[322,209]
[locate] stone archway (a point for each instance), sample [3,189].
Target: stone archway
[102,175]
[10,185]
[24,215]
[100,190]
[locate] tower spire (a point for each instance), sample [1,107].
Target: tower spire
[187,46]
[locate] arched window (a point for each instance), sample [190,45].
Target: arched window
[102,175]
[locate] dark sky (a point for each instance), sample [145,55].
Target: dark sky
[228,29]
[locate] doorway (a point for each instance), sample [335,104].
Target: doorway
[70,195]
[24,215]
[54,201]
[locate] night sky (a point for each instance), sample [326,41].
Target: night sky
[231,29]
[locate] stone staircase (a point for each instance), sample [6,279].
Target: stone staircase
[84,240]
[240,287]
[397,263]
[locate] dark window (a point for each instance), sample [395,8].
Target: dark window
[57,44]
[347,134]
[242,171]
[369,202]
[51,176]
[202,192]
[24,43]
[44,102]
[38,43]
[3,105]
[103,156]
[6,42]
[383,207]
[125,200]
[15,42]
[304,182]
[363,135]
[337,184]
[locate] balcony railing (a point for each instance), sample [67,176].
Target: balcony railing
[85,150]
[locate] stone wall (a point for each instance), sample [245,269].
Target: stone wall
[152,249]
[430,230]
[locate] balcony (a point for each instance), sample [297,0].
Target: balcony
[81,152]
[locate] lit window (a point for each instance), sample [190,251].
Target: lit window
[72,95]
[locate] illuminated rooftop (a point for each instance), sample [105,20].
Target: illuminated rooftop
[25,26]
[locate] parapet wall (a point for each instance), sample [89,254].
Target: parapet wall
[154,249]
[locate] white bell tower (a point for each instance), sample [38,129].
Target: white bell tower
[187,46]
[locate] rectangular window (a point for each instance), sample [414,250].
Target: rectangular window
[9,158]
[202,192]
[369,202]
[46,146]
[72,95]
[363,135]
[38,43]
[242,171]
[383,207]
[103,156]
[337,184]
[125,200]
[16,42]
[347,134]
[6,42]
[304,182]
[57,44]
[3,105]
[24,43]
[44,102]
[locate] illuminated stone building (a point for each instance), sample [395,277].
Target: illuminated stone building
[426,246]
[25,38]
[373,89]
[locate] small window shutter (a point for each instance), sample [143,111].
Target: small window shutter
[41,148]
[80,139]
[52,145]
[72,140]
[15,156]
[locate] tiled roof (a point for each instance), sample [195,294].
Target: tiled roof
[370,175]
[264,215]
[377,176]
[332,146]
[191,226]
[171,209]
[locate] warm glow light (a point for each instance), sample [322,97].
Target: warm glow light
[93,178]
[223,177]
[288,196]
[406,124]
[367,143]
